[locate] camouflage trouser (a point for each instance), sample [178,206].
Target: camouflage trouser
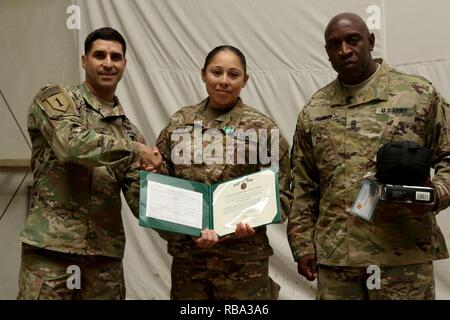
[44,276]
[408,282]
[222,279]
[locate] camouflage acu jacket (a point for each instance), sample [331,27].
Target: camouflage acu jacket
[242,117]
[81,160]
[337,136]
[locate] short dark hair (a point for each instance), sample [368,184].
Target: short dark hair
[105,33]
[218,49]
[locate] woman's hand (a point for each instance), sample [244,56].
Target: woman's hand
[208,239]
[244,230]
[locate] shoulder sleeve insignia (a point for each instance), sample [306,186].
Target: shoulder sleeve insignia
[49,91]
[54,97]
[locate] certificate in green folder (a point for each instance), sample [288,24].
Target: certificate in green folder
[187,207]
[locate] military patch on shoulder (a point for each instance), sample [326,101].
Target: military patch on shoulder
[49,91]
[55,98]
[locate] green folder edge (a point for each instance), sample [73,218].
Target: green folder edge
[205,189]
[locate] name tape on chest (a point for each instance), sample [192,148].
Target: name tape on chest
[327,117]
[242,135]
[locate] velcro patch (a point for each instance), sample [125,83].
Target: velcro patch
[49,91]
[54,98]
[245,136]
[327,117]
[395,110]
[58,102]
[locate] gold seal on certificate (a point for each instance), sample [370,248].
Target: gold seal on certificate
[251,199]
[187,207]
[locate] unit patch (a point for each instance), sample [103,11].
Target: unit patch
[54,97]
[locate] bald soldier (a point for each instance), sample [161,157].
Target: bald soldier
[85,152]
[337,136]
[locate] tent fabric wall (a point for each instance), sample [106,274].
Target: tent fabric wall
[283,42]
[36,47]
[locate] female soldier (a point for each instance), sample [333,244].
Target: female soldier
[236,266]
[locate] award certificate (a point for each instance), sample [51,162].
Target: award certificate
[187,207]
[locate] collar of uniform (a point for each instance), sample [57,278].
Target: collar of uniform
[378,90]
[96,104]
[229,119]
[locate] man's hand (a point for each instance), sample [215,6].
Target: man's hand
[420,209]
[208,239]
[150,157]
[244,230]
[306,266]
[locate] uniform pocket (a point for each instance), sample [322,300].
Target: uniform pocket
[328,240]
[30,285]
[403,127]
[328,138]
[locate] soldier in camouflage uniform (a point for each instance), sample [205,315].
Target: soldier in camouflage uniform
[337,136]
[236,266]
[85,151]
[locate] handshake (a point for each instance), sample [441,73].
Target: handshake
[149,157]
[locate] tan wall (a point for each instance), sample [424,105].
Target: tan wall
[36,47]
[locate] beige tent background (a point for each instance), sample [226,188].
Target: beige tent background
[167,42]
